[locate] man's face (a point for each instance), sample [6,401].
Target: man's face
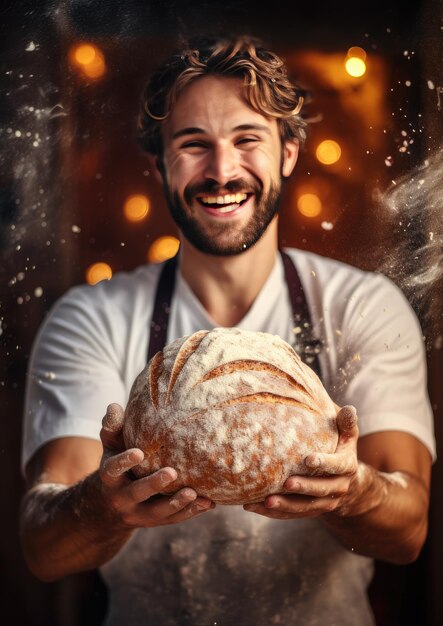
[222,167]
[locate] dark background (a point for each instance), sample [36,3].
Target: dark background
[69,160]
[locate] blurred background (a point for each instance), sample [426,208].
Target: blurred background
[78,204]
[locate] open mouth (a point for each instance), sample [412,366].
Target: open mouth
[222,204]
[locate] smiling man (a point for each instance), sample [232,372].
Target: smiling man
[221,125]
[226,171]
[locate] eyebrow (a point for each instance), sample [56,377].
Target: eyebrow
[194,130]
[259,127]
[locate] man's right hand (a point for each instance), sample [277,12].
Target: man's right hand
[138,503]
[81,506]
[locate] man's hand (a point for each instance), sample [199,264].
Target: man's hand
[82,506]
[138,503]
[376,506]
[325,488]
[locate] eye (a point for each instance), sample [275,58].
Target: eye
[247,141]
[193,144]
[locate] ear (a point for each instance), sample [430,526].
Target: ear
[290,156]
[155,166]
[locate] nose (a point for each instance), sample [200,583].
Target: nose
[222,165]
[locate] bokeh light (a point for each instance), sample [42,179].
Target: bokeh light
[88,60]
[356,52]
[85,54]
[163,248]
[97,272]
[328,152]
[136,208]
[355,67]
[355,61]
[309,204]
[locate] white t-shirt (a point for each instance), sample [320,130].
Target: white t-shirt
[229,566]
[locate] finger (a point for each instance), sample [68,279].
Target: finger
[317,487]
[300,505]
[113,419]
[344,459]
[347,423]
[193,510]
[159,510]
[293,507]
[142,489]
[341,463]
[113,467]
[112,424]
[197,507]
[189,512]
[276,513]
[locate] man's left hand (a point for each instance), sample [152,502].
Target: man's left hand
[326,484]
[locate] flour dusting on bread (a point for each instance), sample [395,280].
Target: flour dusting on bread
[234,412]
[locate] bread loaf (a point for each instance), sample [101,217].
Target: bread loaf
[234,412]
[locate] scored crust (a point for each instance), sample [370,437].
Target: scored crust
[234,412]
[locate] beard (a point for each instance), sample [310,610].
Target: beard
[224,239]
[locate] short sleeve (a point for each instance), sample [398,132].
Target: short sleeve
[73,373]
[382,362]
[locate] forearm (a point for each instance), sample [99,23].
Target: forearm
[385,515]
[68,529]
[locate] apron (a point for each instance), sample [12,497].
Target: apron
[307,346]
[227,566]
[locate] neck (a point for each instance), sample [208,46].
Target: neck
[227,286]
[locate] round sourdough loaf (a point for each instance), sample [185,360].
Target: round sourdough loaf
[234,412]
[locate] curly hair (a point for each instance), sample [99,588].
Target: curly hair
[267,88]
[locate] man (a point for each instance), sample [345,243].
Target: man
[222,127]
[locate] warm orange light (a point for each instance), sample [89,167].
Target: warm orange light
[328,152]
[163,248]
[309,204]
[97,272]
[84,54]
[136,208]
[356,52]
[88,59]
[355,67]
[355,61]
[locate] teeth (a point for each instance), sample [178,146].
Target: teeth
[228,209]
[233,198]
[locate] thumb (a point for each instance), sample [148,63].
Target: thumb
[347,419]
[112,425]
[347,426]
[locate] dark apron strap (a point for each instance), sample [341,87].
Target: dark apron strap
[306,345]
[162,307]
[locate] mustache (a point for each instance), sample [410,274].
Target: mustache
[211,187]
